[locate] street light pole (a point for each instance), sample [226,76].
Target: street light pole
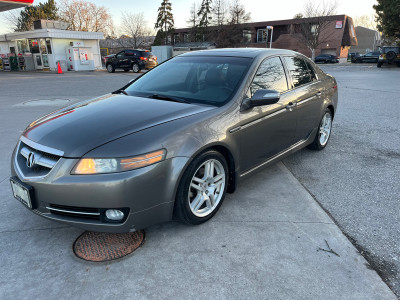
[272,32]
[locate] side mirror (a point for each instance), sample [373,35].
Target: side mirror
[261,97]
[265,97]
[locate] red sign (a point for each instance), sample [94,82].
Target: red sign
[12,4]
[339,24]
[26,2]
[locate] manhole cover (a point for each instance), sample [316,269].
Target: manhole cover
[55,102]
[99,246]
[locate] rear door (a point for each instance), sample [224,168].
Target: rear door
[309,95]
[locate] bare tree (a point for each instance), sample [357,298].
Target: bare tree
[220,13]
[367,21]
[311,30]
[135,26]
[238,14]
[83,15]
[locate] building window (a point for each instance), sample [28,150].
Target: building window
[247,36]
[261,35]
[177,38]
[48,44]
[23,46]
[186,37]
[314,29]
[34,46]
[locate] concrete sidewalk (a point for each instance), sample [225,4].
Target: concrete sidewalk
[265,243]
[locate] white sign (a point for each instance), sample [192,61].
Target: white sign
[83,55]
[78,44]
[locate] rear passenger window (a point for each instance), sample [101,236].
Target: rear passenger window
[298,71]
[311,71]
[270,76]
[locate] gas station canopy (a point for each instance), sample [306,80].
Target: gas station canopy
[11,4]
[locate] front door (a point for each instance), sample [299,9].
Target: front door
[37,59]
[267,130]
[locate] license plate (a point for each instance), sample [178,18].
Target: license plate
[21,193]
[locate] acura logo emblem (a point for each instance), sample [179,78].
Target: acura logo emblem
[30,161]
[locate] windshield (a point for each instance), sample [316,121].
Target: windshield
[197,79]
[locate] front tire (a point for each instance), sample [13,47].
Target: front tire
[324,131]
[202,188]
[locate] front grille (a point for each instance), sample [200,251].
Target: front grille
[32,161]
[75,212]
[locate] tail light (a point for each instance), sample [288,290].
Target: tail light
[143,58]
[155,57]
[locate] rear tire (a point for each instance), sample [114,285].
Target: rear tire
[135,68]
[202,188]
[324,131]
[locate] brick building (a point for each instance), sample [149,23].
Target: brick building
[340,30]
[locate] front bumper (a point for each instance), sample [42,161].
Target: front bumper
[146,195]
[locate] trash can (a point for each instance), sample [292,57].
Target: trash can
[63,65]
[14,63]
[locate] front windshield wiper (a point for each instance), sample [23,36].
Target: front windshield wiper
[168,98]
[120,92]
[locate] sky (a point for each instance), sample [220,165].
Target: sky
[261,10]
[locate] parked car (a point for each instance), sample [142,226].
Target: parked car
[352,56]
[326,58]
[369,57]
[171,143]
[127,60]
[389,55]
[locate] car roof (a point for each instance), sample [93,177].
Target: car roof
[240,52]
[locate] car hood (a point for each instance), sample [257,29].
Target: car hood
[79,128]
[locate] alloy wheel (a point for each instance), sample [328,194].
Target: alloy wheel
[325,129]
[207,188]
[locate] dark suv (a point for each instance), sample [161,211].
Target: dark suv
[390,55]
[370,57]
[135,60]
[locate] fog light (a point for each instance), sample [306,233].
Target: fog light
[114,214]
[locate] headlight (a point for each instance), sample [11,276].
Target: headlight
[113,165]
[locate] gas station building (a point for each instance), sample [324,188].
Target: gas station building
[47,45]
[42,49]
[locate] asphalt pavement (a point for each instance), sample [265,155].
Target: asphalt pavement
[271,239]
[357,177]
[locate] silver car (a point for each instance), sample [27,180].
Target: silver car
[171,144]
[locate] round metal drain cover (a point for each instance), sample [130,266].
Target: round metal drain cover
[100,246]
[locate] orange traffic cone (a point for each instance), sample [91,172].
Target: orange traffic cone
[59,70]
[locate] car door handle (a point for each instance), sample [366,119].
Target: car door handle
[290,106]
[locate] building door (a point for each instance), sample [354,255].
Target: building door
[37,59]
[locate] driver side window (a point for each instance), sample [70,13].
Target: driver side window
[270,76]
[121,54]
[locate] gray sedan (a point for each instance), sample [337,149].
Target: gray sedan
[171,144]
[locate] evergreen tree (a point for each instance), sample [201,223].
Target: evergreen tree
[388,17]
[165,20]
[205,13]
[47,11]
